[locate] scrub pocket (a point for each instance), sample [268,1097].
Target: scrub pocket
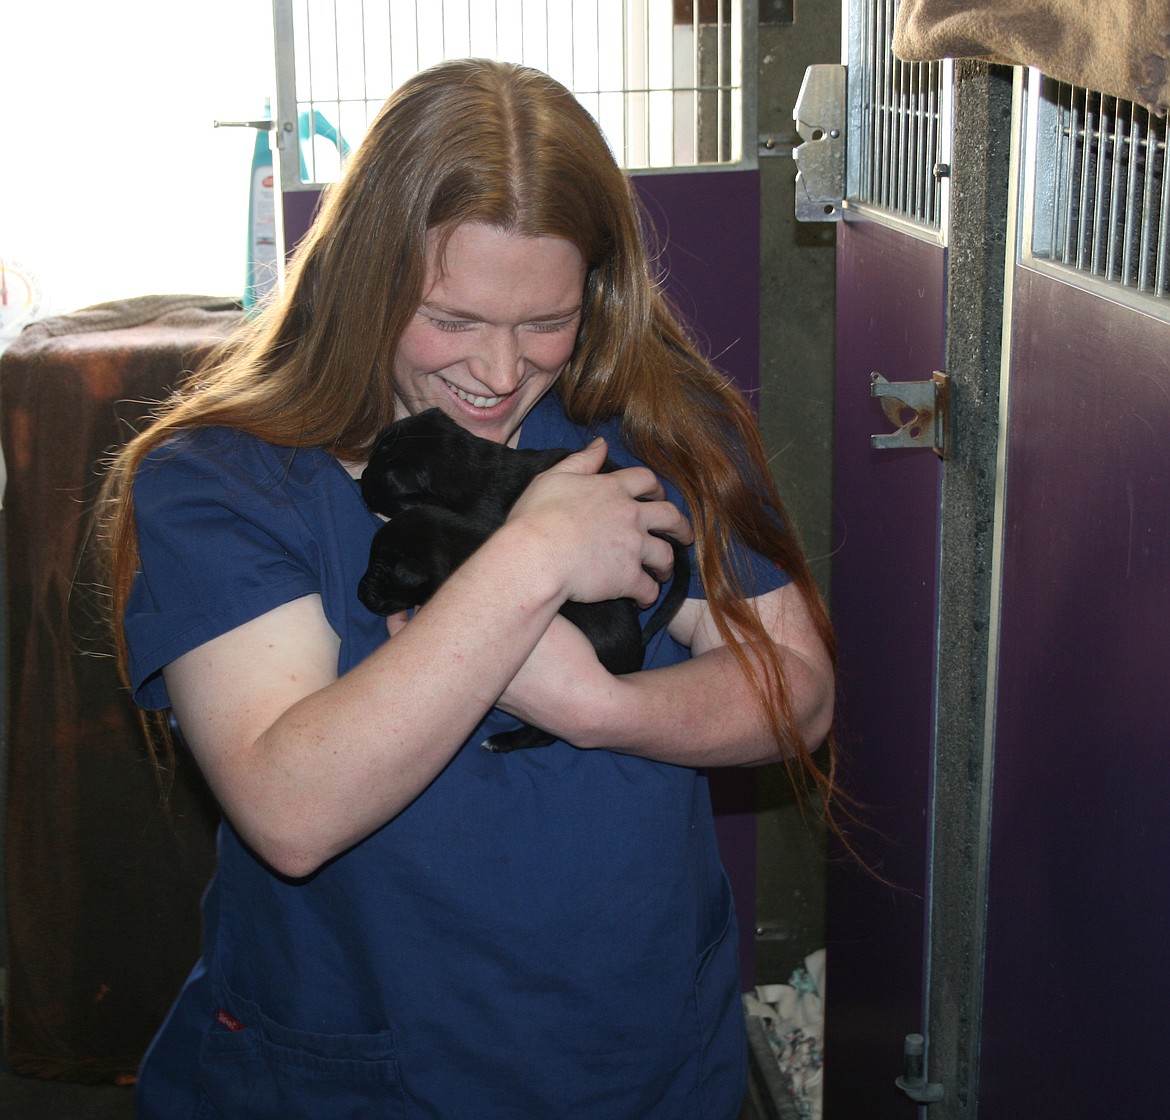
[722,1033]
[255,1068]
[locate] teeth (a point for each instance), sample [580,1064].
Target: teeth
[478,402]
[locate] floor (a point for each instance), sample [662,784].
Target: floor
[34,1098]
[31,1098]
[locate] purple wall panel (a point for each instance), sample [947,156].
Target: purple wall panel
[890,319]
[1078,950]
[709,227]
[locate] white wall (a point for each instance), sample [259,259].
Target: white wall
[113,181]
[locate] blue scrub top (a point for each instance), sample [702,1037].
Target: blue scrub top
[545,934]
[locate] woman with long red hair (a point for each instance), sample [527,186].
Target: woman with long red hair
[403,924]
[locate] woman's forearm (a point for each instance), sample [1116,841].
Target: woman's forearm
[702,712]
[705,712]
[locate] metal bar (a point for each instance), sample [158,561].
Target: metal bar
[1070,179]
[905,160]
[887,108]
[648,71]
[876,109]
[873,71]
[935,72]
[913,151]
[918,202]
[1159,286]
[1051,251]
[882,152]
[869,105]
[1132,200]
[337,72]
[720,80]
[1086,146]
[1096,224]
[694,77]
[625,138]
[1115,200]
[897,155]
[913,148]
[1148,153]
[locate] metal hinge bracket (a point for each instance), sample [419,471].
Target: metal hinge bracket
[820,160]
[921,410]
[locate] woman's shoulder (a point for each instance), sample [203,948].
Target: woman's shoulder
[547,425]
[228,459]
[210,446]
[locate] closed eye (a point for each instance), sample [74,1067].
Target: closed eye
[550,325]
[450,324]
[553,327]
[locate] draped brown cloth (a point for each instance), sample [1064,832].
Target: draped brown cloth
[103,875]
[1118,47]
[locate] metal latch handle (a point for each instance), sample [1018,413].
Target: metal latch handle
[264,125]
[920,409]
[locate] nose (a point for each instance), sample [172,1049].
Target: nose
[499,364]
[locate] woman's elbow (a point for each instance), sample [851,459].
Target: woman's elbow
[818,722]
[286,846]
[283,855]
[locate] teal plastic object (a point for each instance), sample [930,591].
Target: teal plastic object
[263,268]
[314,123]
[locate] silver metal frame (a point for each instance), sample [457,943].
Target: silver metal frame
[1095,195]
[294,91]
[900,115]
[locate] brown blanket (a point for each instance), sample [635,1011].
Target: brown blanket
[103,881]
[1119,47]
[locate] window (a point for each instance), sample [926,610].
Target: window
[117,182]
[899,113]
[1098,189]
[663,78]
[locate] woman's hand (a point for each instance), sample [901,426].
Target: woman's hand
[596,528]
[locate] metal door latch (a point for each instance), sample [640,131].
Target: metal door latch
[913,1080]
[820,161]
[921,410]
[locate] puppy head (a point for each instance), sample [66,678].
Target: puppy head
[422,458]
[398,472]
[403,572]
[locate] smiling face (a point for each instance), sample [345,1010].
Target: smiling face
[497,323]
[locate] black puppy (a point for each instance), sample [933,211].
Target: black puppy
[445,491]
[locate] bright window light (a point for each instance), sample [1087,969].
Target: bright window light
[114,181]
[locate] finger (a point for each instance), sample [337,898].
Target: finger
[647,590]
[589,460]
[666,519]
[658,559]
[641,483]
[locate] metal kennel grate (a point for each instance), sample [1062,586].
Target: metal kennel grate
[899,110]
[1102,200]
[663,78]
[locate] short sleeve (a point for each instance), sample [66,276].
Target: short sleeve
[220,543]
[756,574]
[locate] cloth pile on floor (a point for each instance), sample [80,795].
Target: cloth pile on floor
[793,1019]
